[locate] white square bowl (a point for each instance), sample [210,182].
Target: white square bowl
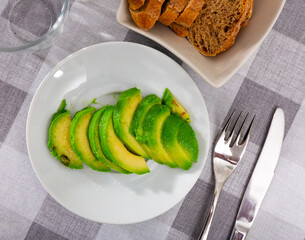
[215,70]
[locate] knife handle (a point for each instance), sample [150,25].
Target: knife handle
[236,235]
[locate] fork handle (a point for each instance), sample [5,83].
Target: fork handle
[207,225]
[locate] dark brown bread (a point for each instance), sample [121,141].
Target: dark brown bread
[183,31]
[171,10]
[135,4]
[146,16]
[217,25]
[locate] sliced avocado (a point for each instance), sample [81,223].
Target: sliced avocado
[188,142]
[136,128]
[169,138]
[152,128]
[59,141]
[95,144]
[115,150]
[175,107]
[122,116]
[60,110]
[80,142]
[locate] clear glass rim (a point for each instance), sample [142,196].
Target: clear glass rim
[55,26]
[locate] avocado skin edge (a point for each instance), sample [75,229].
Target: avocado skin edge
[95,142]
[78,115]
[60,110]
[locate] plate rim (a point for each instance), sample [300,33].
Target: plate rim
[44,81]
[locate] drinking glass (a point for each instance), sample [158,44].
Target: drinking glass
[30,24]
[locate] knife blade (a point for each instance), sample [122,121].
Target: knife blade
[261,177]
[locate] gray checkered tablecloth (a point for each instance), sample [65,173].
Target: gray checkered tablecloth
[273,77]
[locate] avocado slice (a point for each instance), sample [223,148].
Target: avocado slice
[188,142]
[60,110]
[175,107]
[115,150]
[80,142]
[169,138]
[152,128]
[95,144]
[147,103]
[59,141]
[122,116]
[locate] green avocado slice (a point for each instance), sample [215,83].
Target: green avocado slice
[122,116]
[188,142]
[152,128]
[115,150]
[169,138]
[95,141]
[147,103]
[60,110]
[80,142]
[175,107]
[59,141]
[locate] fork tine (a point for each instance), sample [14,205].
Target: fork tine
[231,136]
[241,129]
[248,132]
[222,134]
[229,121]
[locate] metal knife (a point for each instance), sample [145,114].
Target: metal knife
[261,177]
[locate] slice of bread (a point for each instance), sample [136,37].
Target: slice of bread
[189,14]
[171,10]
[147,15]
[179,30]
[249,14]
[135,4]
[183,31]
[217,25]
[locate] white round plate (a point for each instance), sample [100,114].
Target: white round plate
[100,72]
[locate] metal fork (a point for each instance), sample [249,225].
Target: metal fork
[227,153]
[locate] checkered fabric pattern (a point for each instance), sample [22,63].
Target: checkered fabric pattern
[273,77]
